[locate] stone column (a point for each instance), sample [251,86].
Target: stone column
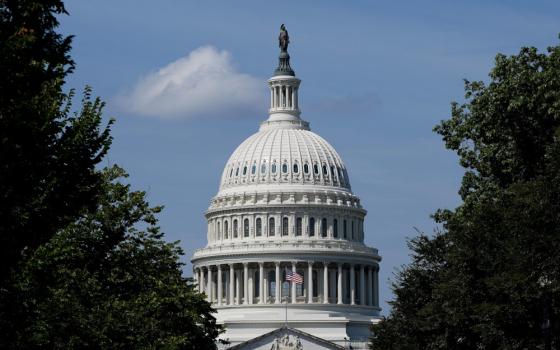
[277,287]
[209,291]
[231,284]
[370,286]
[362,285]
[238,288]
[202,285]
[376,284]
[325,283]
[352,285]
[293,285]
[245,283]
[261,283]
[310,282]
[220,291]
[339,284]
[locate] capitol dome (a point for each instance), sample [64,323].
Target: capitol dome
[285,208]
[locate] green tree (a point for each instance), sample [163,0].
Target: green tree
[47,154]
[109,281]
[491,278]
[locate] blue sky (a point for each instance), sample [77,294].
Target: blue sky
[376,77]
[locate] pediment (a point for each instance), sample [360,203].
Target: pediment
[286,339]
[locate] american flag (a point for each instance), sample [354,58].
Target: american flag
[294,277]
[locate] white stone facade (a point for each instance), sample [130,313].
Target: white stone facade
[285,203]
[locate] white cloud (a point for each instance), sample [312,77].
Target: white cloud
[203,83]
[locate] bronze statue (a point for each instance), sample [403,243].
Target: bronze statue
[283,38]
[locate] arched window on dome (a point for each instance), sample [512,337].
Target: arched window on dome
[273,168]
[311,227]
[306,168]
[324,169]
[259,227]
[284,168]
[245,170]
[345,229]
[296,168]
[231,172]
[299,226]
[263,168]
[237,171]
[271,227]
[246,228]
[316,169]
[253,169]
[285,227]
[332,171]
[226,229]
[235,228]
[324,227]
[338,173]
[335,228]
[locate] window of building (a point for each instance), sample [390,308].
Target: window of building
[263,168]
[273,169]
[244,170]
[306,168]
[299,226]
[332,171]
[219,230]
[259,227]
[296,168]
[284,168]
[315,168]
[311,226]
[246,227]
[285,226]
[231,172]
[253,169]
[324,227]
[237,172]
[324,170]
[344,229]
[226,229]
[271,227]
[335,228]
[235,228]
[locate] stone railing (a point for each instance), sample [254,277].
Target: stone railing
[284,247]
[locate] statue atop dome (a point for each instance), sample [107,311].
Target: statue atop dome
[284,58]
[283,38]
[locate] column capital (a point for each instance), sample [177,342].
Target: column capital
[261,263]
[277,263]
[310,263]
[245,264]
[219,267]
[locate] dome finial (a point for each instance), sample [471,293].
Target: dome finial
[284,58]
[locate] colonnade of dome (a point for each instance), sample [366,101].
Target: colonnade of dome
[254,283]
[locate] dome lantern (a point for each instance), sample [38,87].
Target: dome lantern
[284,108]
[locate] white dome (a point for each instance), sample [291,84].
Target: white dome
[285,156]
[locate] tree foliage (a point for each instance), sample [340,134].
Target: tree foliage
[109,281]
[47,154]
[491,278]
[83,262]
